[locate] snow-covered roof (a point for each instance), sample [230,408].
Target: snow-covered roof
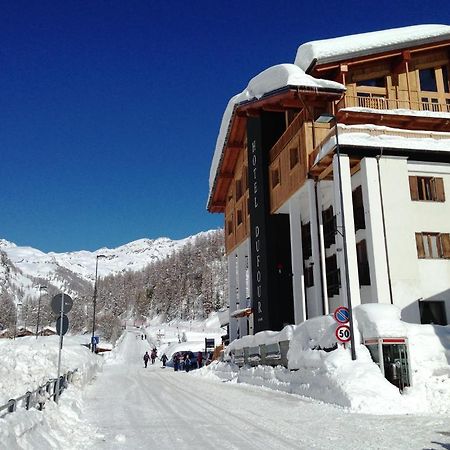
[385,137]
[340,48]
[272,79]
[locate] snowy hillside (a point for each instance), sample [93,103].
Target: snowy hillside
[62,269]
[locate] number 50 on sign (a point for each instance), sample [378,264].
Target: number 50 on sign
[343,333]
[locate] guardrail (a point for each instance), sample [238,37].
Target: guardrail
[267,354]
[39,396]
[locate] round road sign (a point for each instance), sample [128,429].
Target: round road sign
[65,325]
[56,303]
[343,333]
[341,314]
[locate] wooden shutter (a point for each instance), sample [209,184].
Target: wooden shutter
[419,245]
[413,188]
[439,189]
[445,243]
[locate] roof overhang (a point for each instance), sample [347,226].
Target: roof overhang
[280,100]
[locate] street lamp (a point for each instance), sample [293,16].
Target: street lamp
[41,288]
[331,118]
[95,301]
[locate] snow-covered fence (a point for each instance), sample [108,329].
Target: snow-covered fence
[38,397]
[272,354]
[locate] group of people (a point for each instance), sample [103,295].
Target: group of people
[153,355]
[187,360]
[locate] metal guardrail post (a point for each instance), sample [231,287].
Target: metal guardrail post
[28,400]
[38,396]
[12,405]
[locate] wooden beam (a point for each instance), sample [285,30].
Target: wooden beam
[324,174]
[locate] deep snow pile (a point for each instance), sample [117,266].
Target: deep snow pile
[358,385]
[28,363]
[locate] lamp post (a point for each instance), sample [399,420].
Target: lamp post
[331,118]
[41,288]
[95,301]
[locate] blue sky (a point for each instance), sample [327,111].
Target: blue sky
[110,109]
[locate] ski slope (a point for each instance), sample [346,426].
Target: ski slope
[129,406]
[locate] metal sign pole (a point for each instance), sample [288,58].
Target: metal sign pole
[60,349]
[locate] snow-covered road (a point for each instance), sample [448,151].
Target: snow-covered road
[133,408]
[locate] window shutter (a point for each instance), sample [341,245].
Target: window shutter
[419,245]
[445,242]
[439,187]
[413,188]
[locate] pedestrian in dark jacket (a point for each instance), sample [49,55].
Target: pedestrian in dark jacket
[175,362]
[146,358]
[164,359]
[199,360]
[187,362]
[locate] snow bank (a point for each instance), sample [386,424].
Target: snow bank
[28,363]
[340,48]
[271,79]
[317,371]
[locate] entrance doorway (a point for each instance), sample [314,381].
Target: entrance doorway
[391,355]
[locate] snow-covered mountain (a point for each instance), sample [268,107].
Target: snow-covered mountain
[24,267]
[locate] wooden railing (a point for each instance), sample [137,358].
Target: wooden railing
[428,103]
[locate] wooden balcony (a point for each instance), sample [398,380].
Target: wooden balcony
[428,102]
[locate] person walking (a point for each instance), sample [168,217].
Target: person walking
[187,362]
[199,359]
[153,355]
[146,358]
[175,362]
[163,359]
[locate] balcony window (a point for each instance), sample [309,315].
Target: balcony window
[358,209]
[329,227]
[333,276]
[239,217]
[293,157]
[427,79]
[363,264]
[306,240]
[275,177]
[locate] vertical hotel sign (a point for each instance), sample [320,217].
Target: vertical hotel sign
[259,211]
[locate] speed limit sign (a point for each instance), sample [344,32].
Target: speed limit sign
[343,333]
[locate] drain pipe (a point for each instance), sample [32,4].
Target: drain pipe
[378,157]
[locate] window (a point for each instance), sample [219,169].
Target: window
[293,157]
[239,217]
[373,82]
[363,264]
[239,189]
[432,312]
[427,79]
[306,240]
[358,209]
[427,189]
[433,245]
[275,176]
[333,276]
[329,226]
[445,79]
[230,227]
[309,276]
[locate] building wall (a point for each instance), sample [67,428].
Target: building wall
[414,278]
